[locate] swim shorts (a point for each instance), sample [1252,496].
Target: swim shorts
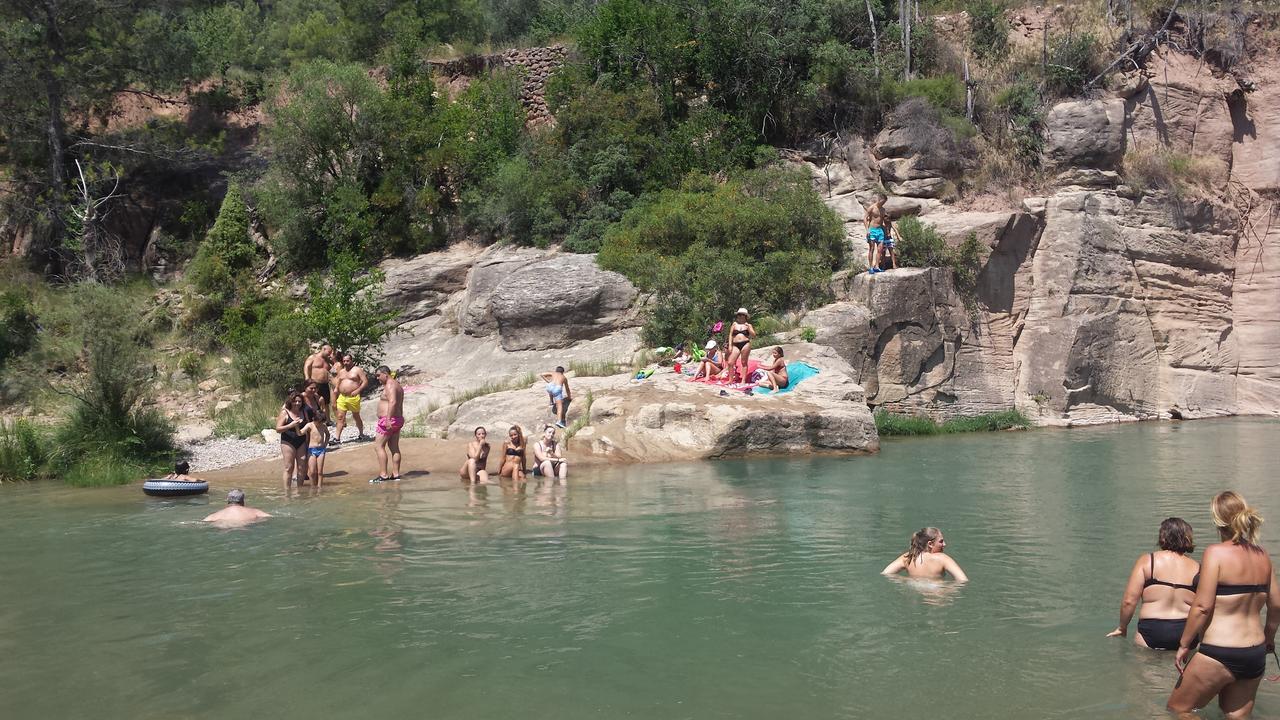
[875,235]
[317,451]
[349,403]
[389,425]
[887,242]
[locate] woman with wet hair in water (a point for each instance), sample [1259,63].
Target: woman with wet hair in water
[925,558]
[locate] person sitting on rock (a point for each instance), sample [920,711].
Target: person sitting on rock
[775,376]
[513,455]
[548,458]
[711,363]
[476,468]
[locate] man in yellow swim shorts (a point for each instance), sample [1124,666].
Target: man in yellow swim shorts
[352,381]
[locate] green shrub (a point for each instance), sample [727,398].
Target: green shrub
[944,93]
[920,245]
[344,308]
[23,451]
[249,416]
[763,239]
[988,29]
[18,324]
[1073,61]
[270,354]
[808,334]
[1021,105]
[889,424]
[105,467]
[966,263]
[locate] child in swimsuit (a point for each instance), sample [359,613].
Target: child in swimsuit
[316,434]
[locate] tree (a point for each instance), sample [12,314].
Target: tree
[70,58]
[345,309]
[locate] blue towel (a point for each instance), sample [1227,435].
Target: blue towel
[796,371]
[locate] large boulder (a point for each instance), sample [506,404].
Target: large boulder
[1183,107]
[497,266]
[418,286]
[1086,133]
[556,302]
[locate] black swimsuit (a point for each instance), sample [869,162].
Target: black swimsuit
[1244,663]
[1162,634]
[291,436]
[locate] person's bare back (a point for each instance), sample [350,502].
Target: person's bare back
[235,514]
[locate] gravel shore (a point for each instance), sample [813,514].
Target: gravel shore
[217,453]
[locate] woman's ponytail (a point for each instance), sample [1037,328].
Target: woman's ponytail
[920,540]
[1235,518]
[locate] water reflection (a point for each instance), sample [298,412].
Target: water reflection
[938,593]
[711,590]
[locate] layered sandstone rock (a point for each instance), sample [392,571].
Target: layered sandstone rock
[667,417]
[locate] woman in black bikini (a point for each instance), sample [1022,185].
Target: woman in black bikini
[1235,582]
[513,455]
[741,333]
[289,424]
[1162,582]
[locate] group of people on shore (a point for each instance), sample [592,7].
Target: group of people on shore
[304,419]
[1215,604]
[548,457]
[712,363]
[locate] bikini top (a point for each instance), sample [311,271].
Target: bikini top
[1176,586]
[513,452]
[1230,589]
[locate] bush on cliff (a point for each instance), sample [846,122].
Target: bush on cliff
[761,239]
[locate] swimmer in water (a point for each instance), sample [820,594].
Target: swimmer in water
[235,514]
[925,558]
[181,473]
[1162,582]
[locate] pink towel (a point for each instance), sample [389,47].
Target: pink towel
[752,366]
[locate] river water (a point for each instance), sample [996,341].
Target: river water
[712,590]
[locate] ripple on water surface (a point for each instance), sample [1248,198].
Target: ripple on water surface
[713,590]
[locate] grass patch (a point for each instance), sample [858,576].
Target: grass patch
[23,451]
[1178,173]
[597,368]
[582,421]
[888,423]
[249,416]
[111,468]
[496,386]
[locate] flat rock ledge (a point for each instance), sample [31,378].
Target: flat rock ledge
[667,418]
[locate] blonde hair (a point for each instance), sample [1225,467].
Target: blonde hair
[920,540]
[1236,521]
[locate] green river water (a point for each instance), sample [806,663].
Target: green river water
[743,589]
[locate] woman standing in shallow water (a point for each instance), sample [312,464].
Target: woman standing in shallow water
[925,558]
[1162,581]
[1235,582]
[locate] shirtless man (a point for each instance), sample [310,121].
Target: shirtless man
[390,422]
[317,368]
[352,381]
[874,219]
[235,514]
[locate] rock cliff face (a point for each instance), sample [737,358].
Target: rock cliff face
[1099,301]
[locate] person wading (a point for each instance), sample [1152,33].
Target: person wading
[390,421]
[352,381]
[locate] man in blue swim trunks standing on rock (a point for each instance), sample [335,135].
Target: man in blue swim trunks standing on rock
[876,234]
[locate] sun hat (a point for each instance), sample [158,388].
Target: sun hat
[710,345]
[743,311]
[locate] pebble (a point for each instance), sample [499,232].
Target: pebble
[216,453]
